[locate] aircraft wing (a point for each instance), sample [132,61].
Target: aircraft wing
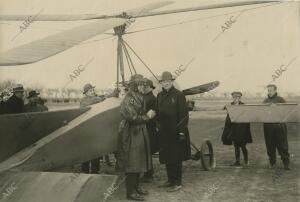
[53,186]
[91,134]
[201,88]
[18,131]
[54,44]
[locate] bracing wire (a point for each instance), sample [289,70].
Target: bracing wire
[129,58]
[149,69]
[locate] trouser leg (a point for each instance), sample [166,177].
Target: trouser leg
[131,183]
[85,167]
[137,181]
[269,133]
[237,152]
[178,173]
[95,166]
[170,173]
[174,171]
[245,153]
[282,144]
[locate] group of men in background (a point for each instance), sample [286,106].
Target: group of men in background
[12,104]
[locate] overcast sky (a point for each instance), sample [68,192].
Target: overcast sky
[243,57]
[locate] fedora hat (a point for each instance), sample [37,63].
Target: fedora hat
[32,93]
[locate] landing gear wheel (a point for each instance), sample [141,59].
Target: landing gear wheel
[207,155]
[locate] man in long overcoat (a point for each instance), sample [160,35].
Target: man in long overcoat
[15,104]
[134,154]
[174,139]
[237,133]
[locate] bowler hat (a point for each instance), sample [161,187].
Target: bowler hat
[32,93]
[166,76]
[18,88]
[87,87]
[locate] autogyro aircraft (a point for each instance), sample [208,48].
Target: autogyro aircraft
[76,135]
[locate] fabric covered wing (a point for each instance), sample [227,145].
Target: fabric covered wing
[54,186]
[279,113]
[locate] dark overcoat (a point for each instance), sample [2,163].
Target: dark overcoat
[238,133]
[134,154]
[280,128]
[2,107]
[151,102]
[31,107]
[173,119]
[14,105]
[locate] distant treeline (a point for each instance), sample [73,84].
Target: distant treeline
[68,95]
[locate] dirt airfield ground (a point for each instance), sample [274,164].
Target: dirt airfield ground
[255,183]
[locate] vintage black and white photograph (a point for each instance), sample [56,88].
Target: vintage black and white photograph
[150,100]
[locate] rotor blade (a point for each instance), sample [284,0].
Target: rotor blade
[224,5]
[50,17]
[54,44]
[137,11]
[147,8]
[201,89]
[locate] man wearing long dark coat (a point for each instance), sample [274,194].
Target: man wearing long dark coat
[15,104]
[276,133]
[134,154]
[174,136]
[237,133]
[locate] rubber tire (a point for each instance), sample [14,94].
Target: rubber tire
[212,160]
